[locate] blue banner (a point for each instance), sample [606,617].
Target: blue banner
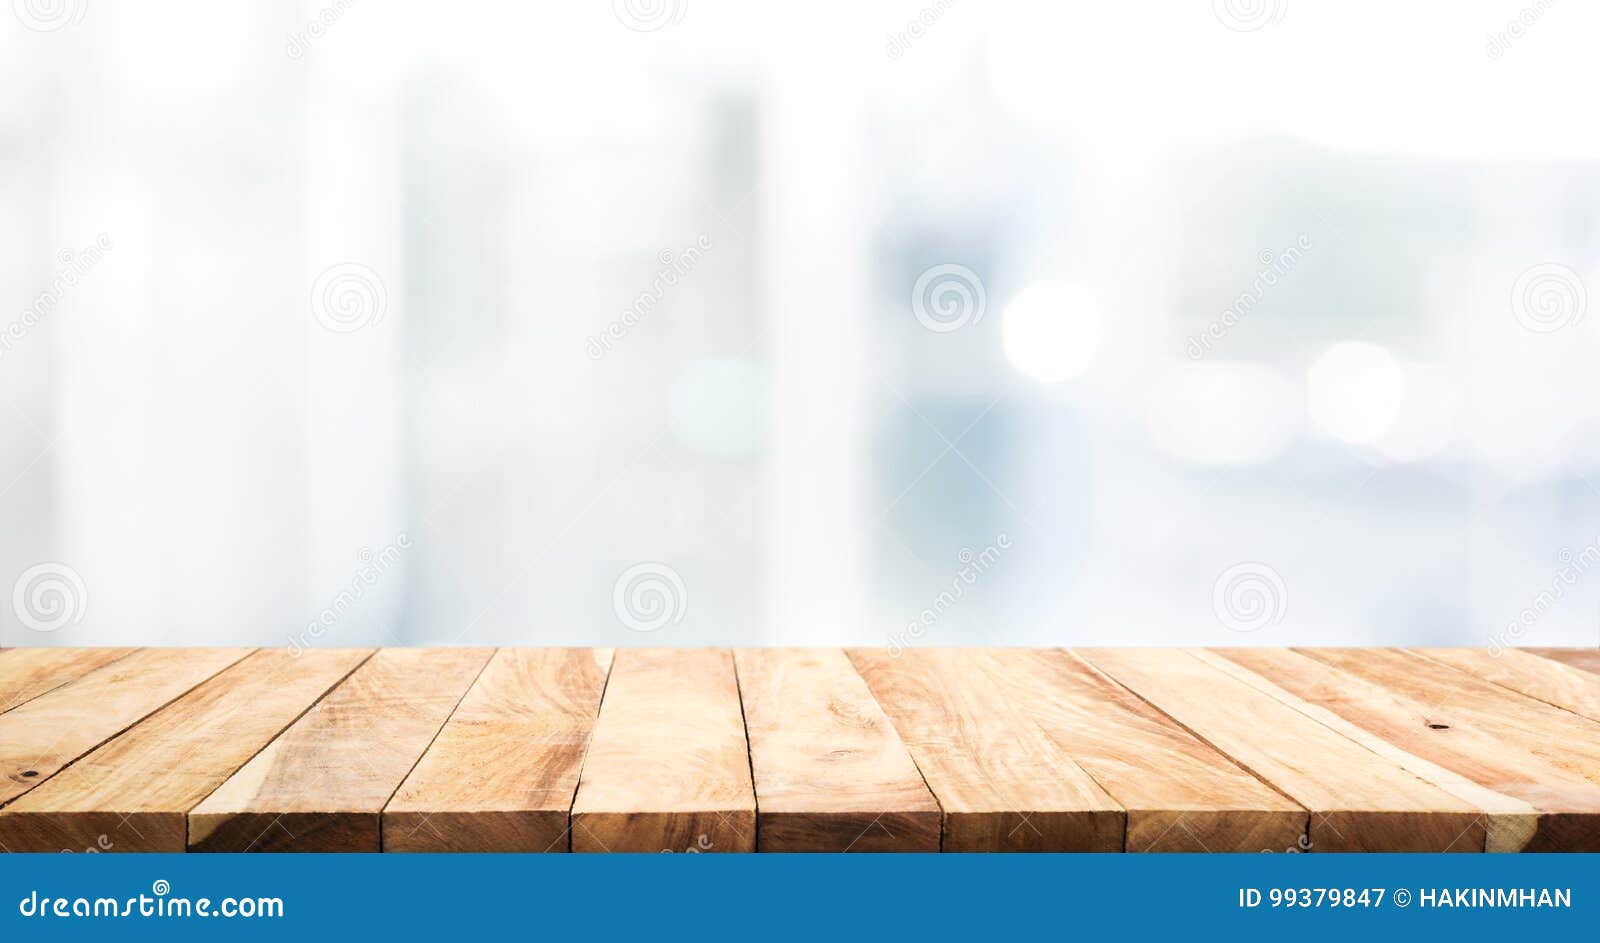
[1285,896]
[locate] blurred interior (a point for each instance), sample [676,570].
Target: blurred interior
[442,318]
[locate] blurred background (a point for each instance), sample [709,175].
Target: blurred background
[681,322]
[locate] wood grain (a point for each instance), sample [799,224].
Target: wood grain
[1358,799]
[1336,700]
[1180,793]
[668,767]
[40,737]
[800,749]
[323,783]
[1002,784]
[831,773]
[26,673]
[1548,680]
[1518,746]
[502,773]
[1559,736]
[135,792]
[1586,658]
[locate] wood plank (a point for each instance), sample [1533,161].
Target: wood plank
[1316,689]
[831,773]
[1456,698]
[41,737]
[1181,793]
[26,673]
[1546,679]
[1002,784]
[668,766]
[1023,750]
[1533,736]
[502,774]
[135,792]
[323,783]
[1359,800]
[1586,658]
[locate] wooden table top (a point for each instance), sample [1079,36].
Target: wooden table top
[701,750]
